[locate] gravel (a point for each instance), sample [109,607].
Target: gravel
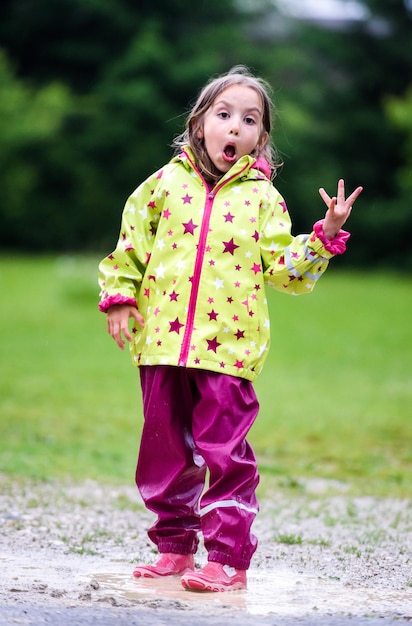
[321,553]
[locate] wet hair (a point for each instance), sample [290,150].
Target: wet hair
[238,75]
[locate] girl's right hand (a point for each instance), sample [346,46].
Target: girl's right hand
[118,322]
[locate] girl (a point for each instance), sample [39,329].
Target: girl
[200,239]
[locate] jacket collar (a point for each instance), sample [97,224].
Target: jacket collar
[255,169]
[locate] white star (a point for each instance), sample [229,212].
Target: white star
[143,212]
[160,271]
[219,283]
[160,244]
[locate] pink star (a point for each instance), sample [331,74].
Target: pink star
[213,344]
[230,246]
[173,296]
[189,227]
[175,326]
[256,268]
[239,334]
[239,364]
[166,214]
[213,315]
[255,236]
[284,207]
[228,217]
[187,199]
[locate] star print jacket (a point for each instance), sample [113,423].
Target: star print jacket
[196,261]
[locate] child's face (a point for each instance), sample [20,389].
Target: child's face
[232,126]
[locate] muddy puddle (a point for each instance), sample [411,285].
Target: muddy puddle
[271,592]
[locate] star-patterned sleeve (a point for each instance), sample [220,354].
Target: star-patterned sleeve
[121,272]
[291,264]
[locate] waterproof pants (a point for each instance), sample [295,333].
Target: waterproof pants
[197,421]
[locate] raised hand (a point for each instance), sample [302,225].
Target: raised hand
[339,209]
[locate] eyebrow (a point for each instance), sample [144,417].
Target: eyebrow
[227,104]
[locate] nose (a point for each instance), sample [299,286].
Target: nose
[235,125]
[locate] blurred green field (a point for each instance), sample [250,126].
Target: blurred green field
[335,393]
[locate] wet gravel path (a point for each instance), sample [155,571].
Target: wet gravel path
[66,554]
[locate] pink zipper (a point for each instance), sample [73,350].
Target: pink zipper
[184,352]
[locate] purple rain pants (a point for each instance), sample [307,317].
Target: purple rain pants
[194,421]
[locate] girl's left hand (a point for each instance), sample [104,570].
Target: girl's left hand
[339,209]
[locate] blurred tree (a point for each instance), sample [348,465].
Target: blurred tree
[134,68]
[102,86]
[333,87]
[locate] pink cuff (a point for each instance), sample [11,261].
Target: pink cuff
[337,245]
[117,299]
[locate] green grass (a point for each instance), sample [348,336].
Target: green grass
[335,393]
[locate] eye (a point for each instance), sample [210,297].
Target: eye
[250,120]
[223,114]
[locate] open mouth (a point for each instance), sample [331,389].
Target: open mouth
[229,153]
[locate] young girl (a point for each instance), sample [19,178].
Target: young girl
[200,240]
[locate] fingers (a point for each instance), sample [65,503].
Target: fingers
[138,317]
[118,323]
[325,197]
[354,195]
[117,329]
[340,198]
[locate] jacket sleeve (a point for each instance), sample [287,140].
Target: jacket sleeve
[294,264]
[122,271]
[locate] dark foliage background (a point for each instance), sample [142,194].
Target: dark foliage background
[92,93]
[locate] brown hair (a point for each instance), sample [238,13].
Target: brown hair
[238,75]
